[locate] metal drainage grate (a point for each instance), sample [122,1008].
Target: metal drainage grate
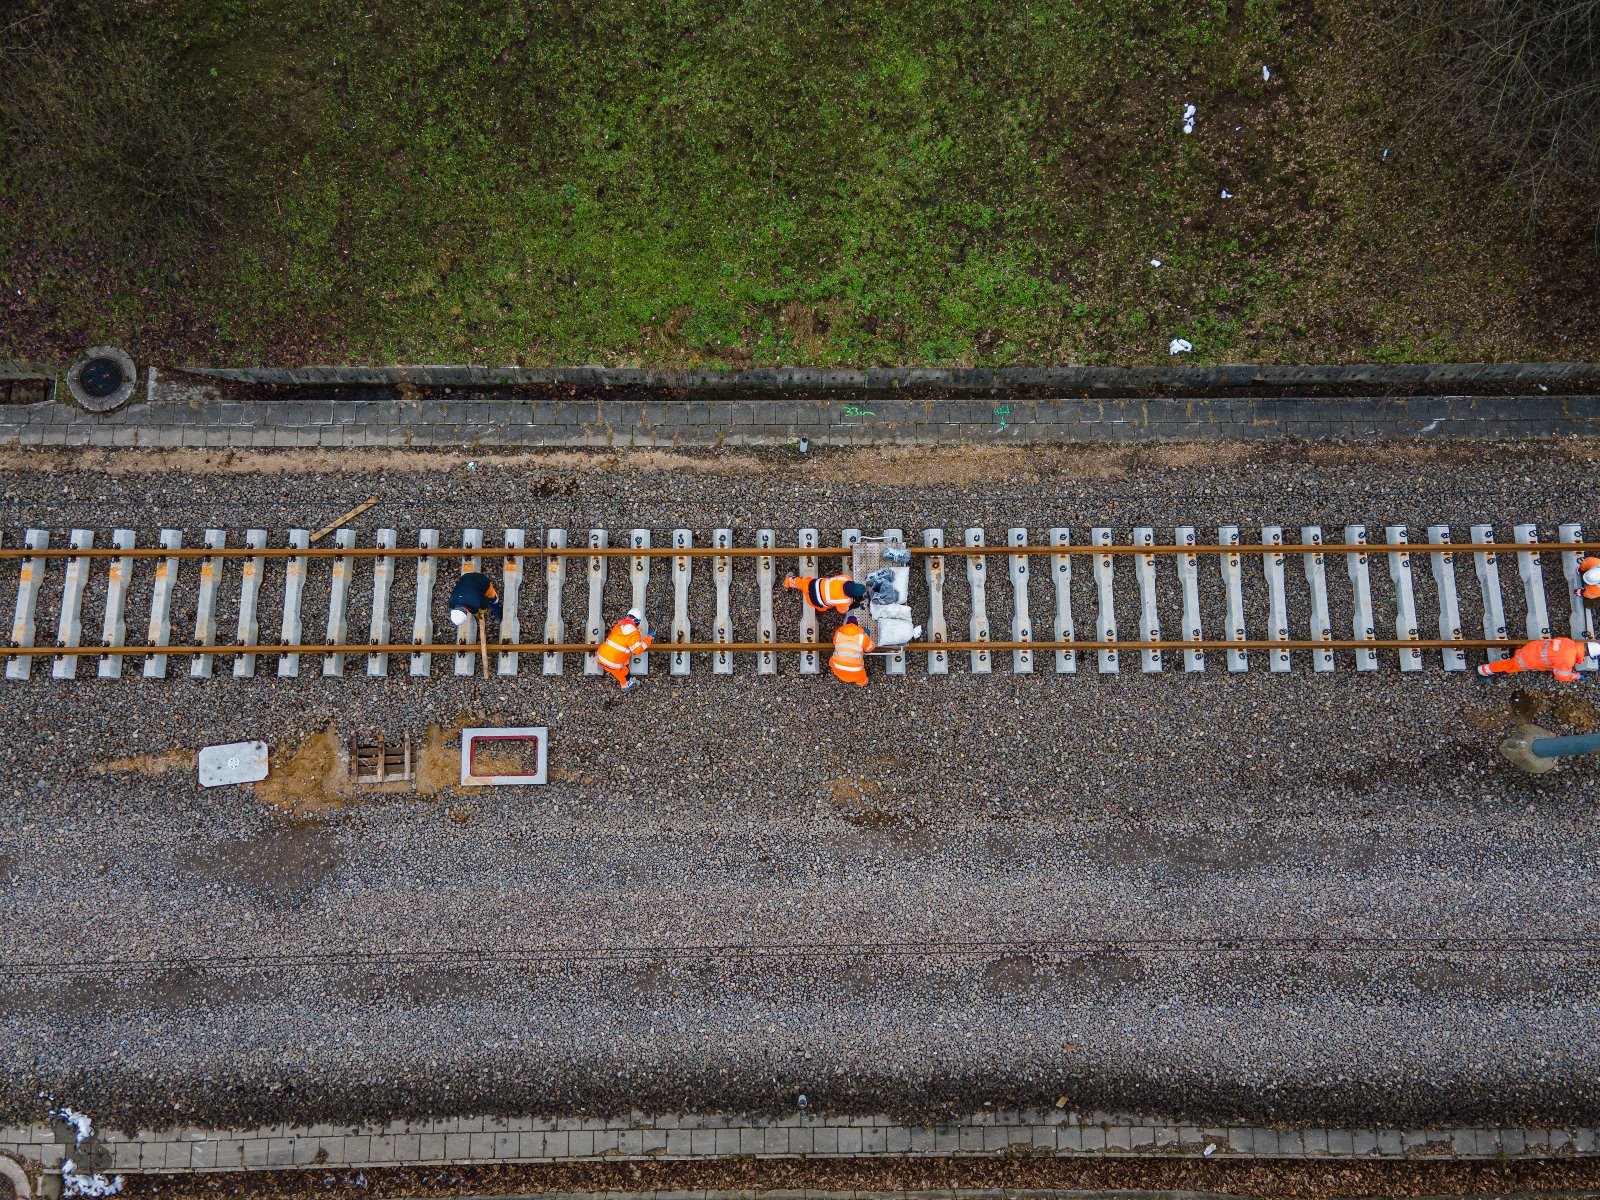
[377,762]
[101,376]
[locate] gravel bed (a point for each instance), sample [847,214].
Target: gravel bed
[1187,1179]
[877,827]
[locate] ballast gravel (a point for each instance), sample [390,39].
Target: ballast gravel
[1206,896]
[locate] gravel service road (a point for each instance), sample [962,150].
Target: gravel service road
[921,896]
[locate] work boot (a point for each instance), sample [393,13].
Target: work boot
[628,687]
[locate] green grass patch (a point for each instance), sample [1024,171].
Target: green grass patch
[681,182]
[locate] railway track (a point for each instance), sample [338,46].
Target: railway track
[1236,597]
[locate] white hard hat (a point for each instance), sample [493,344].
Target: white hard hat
[1592,575]
[1592,649]
[636,616]
[458,616]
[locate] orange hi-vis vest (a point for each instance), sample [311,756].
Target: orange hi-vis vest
[849,659]
[1589,591]
[622,644]
[827,591]
[1560,656]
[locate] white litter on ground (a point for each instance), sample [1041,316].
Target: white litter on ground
[1179,346]
[1211,1149]
[1155,262]
[78,1121]
[74,1184]
[1265,74]
[1188,118]
[1226,194]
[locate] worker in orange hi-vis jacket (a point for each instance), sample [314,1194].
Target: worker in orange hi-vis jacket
[838,592]
[1559,656]
[850,646]
[625,642]
[1588,589]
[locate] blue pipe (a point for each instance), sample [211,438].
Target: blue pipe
[1565,747]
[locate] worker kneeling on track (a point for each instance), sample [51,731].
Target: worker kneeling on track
[625,642]
[838,592]
[851,644]
[1559,656]
[473,596]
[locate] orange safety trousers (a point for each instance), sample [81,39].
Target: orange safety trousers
[1558,655]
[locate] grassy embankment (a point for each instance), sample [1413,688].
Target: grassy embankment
[795,182]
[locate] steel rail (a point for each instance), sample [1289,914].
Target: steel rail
[17,552]
[307,648]
[1043,948]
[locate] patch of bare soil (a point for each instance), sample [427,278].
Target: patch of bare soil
[511,757]
[1309,1180]
[955,466]
[438,761]
[311,779]
[147,764]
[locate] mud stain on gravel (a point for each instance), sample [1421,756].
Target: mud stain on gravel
[1577,712]
[1102,969]
[1574,712]
[146,764]
[1014,973]
[282,863]
[420,986]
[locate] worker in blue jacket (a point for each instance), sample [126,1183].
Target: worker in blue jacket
[473,596]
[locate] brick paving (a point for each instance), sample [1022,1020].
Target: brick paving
[485,1140]
[194,411]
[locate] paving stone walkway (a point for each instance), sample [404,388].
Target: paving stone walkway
[196,411]
[41,1148]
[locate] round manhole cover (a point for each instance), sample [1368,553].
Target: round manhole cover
[103,379]
[100,377]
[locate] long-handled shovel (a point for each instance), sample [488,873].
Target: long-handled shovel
[483,644]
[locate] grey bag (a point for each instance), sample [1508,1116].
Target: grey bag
[897,556]
[880,587]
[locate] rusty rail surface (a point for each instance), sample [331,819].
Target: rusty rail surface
[665,647]
[996,550]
